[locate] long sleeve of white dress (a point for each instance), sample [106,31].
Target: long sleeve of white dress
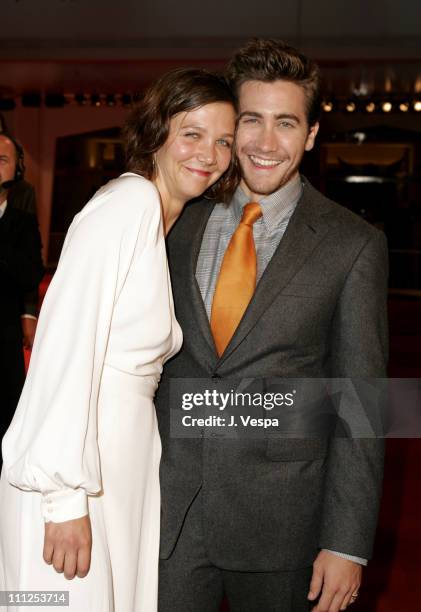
[51,445]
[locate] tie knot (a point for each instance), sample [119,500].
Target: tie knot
[251,212]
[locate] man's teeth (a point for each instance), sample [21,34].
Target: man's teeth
[268,163]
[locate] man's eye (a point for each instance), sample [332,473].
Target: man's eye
[192,134]
[286,124]
[249,120]
[224,143]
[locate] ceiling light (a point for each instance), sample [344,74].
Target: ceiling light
[95,100]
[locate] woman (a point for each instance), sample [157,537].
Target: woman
[83,450]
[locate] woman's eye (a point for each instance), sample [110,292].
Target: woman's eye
[192,134]
[224,143]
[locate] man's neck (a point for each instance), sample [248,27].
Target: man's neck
[257,197]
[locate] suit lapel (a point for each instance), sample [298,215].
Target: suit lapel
[197,230]
[305,231]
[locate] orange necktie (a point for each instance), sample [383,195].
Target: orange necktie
[236,281]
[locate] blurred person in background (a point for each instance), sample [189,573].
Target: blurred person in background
[21,195]
[21,270]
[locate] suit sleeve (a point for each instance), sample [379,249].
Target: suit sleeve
[22,196]
[20,258]
[31,298]
[30,303]
[359,348]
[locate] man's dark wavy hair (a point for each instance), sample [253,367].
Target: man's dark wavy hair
[271,60]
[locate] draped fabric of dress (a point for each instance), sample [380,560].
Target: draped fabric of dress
[84,437]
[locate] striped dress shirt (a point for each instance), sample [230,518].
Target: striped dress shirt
[277,209]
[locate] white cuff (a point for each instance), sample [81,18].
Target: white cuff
[64,505]
[359,560]
[29,316]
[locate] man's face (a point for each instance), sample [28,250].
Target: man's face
[272,135]
[7,162]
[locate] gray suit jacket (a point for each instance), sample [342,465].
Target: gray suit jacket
[318,311]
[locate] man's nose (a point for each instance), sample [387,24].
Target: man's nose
[267,140]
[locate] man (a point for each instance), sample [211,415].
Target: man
[286,524]
[21,270]
[22,196]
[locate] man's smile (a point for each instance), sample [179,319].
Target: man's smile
[264,163]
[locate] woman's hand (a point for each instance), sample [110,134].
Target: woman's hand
[67,546]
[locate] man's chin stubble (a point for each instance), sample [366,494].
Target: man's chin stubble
[262,191]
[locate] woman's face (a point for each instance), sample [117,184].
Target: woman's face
[197,151]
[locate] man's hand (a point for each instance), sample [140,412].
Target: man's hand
[29,327]
[337,579]
[67,546]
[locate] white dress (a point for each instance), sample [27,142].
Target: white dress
[84,437]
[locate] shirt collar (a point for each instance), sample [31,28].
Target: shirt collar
[3,208]
[276,207]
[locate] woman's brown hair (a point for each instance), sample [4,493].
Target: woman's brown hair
[148,125]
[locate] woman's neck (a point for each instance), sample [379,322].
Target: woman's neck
[171,207]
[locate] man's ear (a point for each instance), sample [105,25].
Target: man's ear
[311,136]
